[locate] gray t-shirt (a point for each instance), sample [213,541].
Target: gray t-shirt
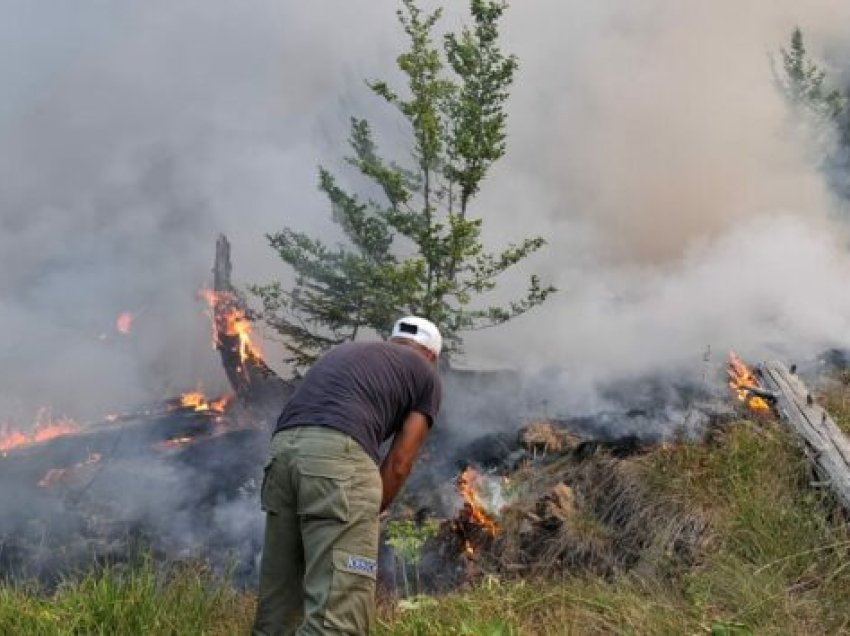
[366,390]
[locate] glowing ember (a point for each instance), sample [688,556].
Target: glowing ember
[176,442]
[220,405]
[44,429]
[124,322]
[230,320]
[742,381]
[468,485]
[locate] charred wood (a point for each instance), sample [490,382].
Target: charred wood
[249,375]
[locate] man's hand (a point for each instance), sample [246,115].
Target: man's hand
[399,460]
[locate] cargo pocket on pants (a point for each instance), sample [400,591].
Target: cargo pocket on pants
[267,491]
[351,603]
[323,488]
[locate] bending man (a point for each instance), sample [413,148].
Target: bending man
[323,489]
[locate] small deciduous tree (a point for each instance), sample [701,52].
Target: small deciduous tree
[407,538]
[415,247]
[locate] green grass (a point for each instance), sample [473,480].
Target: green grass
[776,561]
[138,600]
[779,559]
[569,606]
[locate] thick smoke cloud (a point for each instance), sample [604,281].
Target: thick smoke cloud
[647,143]
[681,199]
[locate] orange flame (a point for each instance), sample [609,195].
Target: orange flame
[44,429]
[468,483]
[220,405]
[741,380]
[231,320]
[10,439]
[124,322]
[175,442]
[196,401]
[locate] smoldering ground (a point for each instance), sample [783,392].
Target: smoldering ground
[682,202]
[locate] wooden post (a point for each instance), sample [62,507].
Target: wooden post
[827,446]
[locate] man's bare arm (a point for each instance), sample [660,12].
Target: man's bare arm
[399,460]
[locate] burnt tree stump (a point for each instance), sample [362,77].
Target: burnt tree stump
[251,378]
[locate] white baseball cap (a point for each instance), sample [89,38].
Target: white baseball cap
[421,331]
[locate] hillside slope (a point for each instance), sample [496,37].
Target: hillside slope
[772,556]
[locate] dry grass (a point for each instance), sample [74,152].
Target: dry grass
[596,516]
[726,537]
[834,395]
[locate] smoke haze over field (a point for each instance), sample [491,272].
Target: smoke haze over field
[647,143]
[682,202]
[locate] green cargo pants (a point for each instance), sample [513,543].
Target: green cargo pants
[322,496]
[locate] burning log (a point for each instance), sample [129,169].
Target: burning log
[827,447]
[770,397]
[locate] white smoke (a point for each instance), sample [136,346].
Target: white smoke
[682,201]
[647,143]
